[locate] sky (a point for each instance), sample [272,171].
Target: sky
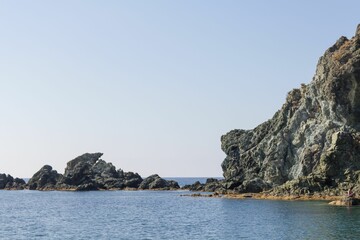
[151,84]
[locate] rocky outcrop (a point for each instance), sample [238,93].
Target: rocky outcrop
[9,183]
[156,182]
[45,178]
[130,179]
[90,172]
[312,144]
[211,185]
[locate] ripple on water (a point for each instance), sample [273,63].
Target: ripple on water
[166,215]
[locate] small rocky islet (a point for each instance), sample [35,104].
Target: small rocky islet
[84,173]
[309,149]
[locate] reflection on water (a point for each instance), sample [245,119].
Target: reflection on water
[166,215]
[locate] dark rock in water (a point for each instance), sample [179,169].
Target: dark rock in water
[197,186]
[312,144]
[211,185]
[130,179]
[156,182]
[44,179]
[82,170]
[9,183]
[173,184]
[89,172]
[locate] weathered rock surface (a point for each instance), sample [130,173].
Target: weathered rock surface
[9,183]
[346,202]
[90,172]
[156,182]
[211,185]
[45,178]
[312,144]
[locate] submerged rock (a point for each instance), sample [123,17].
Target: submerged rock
[346,201]
[312,144]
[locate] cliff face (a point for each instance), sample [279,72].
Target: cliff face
[312,144]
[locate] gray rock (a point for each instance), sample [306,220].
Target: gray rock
[312,144]
[9,183]
[84,173]
[196,186]
[132,180]
[156,182]
[211,185]
[44,179]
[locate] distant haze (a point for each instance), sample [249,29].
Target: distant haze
[151,84]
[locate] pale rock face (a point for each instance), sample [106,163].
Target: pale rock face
[312,143]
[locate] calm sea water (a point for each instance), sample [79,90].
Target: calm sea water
[166,215]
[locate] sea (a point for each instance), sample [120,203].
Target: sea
[168,215]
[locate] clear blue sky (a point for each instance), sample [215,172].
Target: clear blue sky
[152,84]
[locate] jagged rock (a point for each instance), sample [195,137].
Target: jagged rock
[156,182]
[82,170]
[197,186]
[211,185]
[45,178]
[89,172]
[130,179]
[312,144]
[8,182]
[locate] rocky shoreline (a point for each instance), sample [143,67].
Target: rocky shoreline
[215,189]
[309,149]
[311,146]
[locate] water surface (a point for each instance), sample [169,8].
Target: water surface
[166,215]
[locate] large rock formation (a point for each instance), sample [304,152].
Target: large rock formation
[90,172]
[312,144]
[10,183]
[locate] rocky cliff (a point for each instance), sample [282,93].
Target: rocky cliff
[312,144]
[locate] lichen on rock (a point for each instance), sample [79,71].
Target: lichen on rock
[312,144]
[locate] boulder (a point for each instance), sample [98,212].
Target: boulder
[9,183]
[44,179]
[130,179]
[156,182]
[211,185]
[196,186]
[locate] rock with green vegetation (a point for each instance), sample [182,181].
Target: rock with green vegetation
[312,144]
